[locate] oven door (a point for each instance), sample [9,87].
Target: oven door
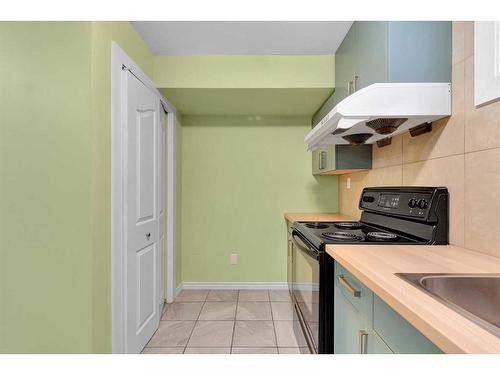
[305,287]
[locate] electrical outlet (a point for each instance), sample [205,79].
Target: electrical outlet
[348,183]
[233,259]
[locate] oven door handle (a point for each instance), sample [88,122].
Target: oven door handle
[301,244]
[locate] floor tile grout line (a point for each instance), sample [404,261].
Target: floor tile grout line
[274,326]
[234,323]
[195,324]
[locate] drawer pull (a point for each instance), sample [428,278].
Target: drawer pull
[349,287]
[363,342]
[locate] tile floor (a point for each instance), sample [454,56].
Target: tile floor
[229,321]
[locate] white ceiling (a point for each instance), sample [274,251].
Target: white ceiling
[243,37]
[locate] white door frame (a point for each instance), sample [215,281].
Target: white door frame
[120,63]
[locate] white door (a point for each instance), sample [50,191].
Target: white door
[162,141]
[142,194]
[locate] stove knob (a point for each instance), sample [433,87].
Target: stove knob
[368,199]
[422,203]
[412,203]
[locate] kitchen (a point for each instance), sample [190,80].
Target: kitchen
[388,160]
[327,197]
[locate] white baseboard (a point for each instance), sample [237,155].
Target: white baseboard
[178,290]
[232,285]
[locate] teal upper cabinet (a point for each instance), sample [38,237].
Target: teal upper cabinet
[370,54]
[361,58]
[419,51]
[381,52]
[392,51]
[344,66]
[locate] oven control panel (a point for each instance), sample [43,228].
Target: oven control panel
[414,203]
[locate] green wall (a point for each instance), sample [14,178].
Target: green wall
[221,98]
[249,71]
[55,154]
[237,85]
[239,175]
[45,174]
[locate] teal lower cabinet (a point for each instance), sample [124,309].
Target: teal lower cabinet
[349,325]
[364,324]
[375,345]
[399,335]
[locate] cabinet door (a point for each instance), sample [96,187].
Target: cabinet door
[352,314]
[323,159]
[349,325]
[376,345]
[370,53]
[319,160]
[344,64]
[419,51]
[398,333]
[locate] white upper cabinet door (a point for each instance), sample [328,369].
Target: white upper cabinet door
[486,61]
[142,213]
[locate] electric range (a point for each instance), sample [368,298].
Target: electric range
[390,215]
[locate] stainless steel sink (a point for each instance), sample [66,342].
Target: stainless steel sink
[475,296]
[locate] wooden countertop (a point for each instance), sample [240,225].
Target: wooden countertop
[322,216]
[375,266]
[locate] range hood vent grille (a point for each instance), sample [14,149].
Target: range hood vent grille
[357,139]
[386,125]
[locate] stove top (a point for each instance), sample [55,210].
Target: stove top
[390,215]
[349,232]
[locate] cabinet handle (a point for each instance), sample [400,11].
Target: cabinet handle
[349,86]
[363,342]
[349,287]
[355,84]
[322,160]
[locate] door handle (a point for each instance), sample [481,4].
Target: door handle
[363,342]
[348,286]
[299,244]
[148,235]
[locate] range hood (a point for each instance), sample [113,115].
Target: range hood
[379,111]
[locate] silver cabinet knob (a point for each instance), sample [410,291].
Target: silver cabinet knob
[148,235]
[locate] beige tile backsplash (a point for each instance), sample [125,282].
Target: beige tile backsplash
[388,155]
[462,152]
[447,136]
[458,42]
[482,200]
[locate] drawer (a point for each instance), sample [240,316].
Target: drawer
[398,333]
[354,291]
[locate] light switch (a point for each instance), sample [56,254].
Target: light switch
[233,259]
